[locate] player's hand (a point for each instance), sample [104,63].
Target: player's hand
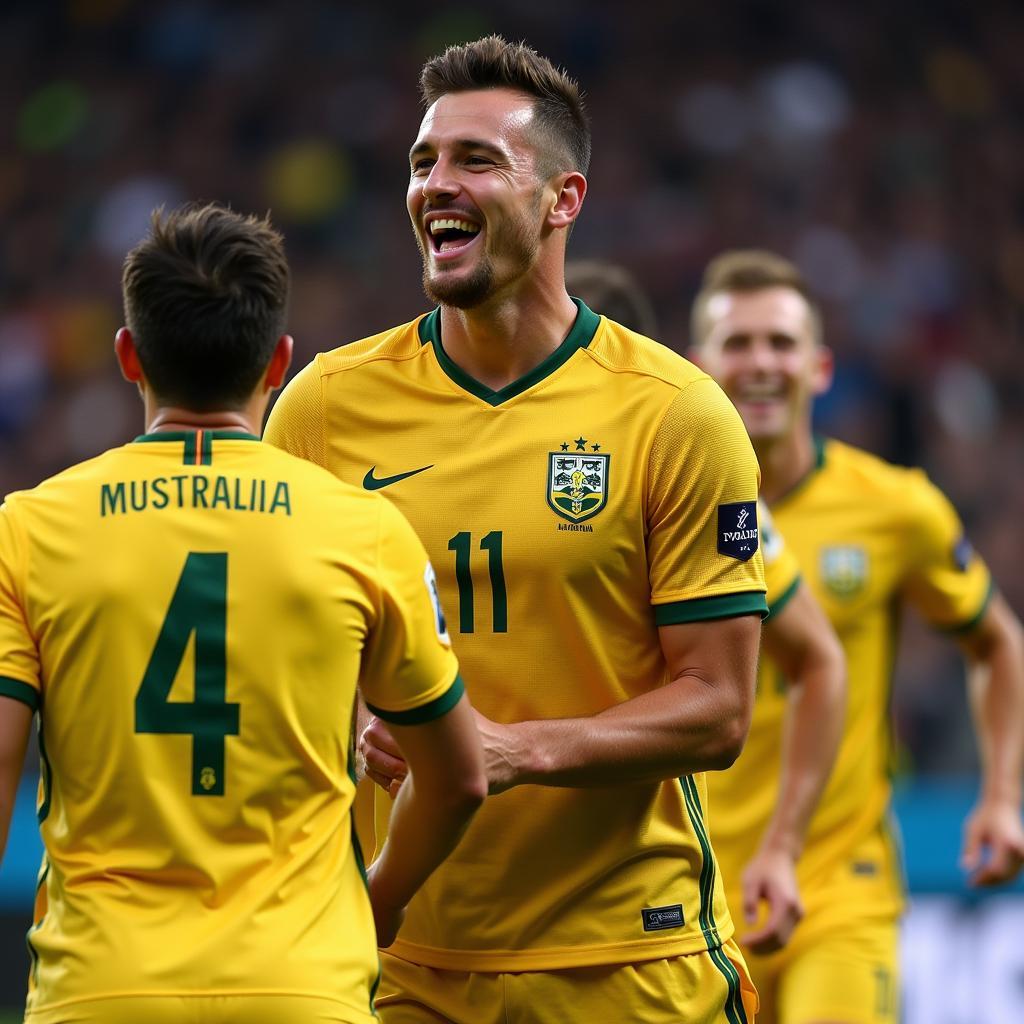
[771,877]
[387,919]
[382,760]
[993,849]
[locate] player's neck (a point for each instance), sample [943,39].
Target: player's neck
[504,339]
[784,463]
[171,419]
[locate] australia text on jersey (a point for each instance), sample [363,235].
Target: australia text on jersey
[195,490]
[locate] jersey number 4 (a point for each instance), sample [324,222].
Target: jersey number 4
[199,606]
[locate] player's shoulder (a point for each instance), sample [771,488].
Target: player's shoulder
[305,474]
[393,345]
[621,350]
[899,488]
[66,483]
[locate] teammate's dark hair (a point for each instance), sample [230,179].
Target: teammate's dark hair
[748,270]
[563,136]
[612,290]
[205,297]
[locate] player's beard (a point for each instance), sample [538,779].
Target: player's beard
[516,240]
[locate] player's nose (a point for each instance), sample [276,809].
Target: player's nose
[441,181]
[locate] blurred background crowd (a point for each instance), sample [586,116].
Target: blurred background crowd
[877,144]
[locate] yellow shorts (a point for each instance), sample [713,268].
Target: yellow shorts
[704,988]
[263,1009]
[847,972]
[842,963]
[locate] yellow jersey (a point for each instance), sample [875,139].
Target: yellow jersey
[609,491]
[868,536]
[781,569]
[190,615]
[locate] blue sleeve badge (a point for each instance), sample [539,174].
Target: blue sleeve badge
[737,529]
[962,553]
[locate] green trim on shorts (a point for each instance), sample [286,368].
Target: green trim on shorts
[734,1012]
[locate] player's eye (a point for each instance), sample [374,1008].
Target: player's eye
[783,342]
[420,164]
[736,343]
[478,161]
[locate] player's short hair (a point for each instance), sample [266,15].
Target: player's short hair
[749,270]
[563,128]
[612,290]
[205,297]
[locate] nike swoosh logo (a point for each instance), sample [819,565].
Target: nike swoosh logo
[375,483]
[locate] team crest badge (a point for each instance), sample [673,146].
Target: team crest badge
[578,481]
[844,570]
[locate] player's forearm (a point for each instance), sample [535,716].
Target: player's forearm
[688,725]
[810,743]
[995,653]
[996,684]
[804,647]
[424,828]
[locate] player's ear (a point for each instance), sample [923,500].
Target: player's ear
[564,207]
[279,363]
[127,356]
[824,370]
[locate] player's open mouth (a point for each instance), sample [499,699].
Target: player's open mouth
[451,234]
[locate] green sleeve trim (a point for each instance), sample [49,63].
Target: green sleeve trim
[701,609]
[434,709]
[784,598]
[18,690]
[969,625]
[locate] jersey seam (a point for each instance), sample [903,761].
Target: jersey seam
[641,371]
[371,357]
[680,388]
[240,993]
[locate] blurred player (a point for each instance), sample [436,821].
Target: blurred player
[869,536]
[589,500]
[190,615]
[798,637]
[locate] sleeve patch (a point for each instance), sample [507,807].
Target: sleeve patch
[963,552]
[737,529]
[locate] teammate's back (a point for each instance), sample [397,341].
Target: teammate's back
[191,615]
[202,628]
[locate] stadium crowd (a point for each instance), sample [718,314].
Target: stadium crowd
[877,146]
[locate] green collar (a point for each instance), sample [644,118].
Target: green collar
[198,443]
[580,336]
[185,435]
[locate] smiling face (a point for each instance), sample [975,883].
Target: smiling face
[475,196]
[762,349]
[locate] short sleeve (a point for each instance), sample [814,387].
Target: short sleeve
[19,657]
[296,422]
[409,673]
[781,569]
[702,544]
[946,581]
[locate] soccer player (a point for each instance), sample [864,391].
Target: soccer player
[189,615]
[588,498]
[869,536]
[799,639]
